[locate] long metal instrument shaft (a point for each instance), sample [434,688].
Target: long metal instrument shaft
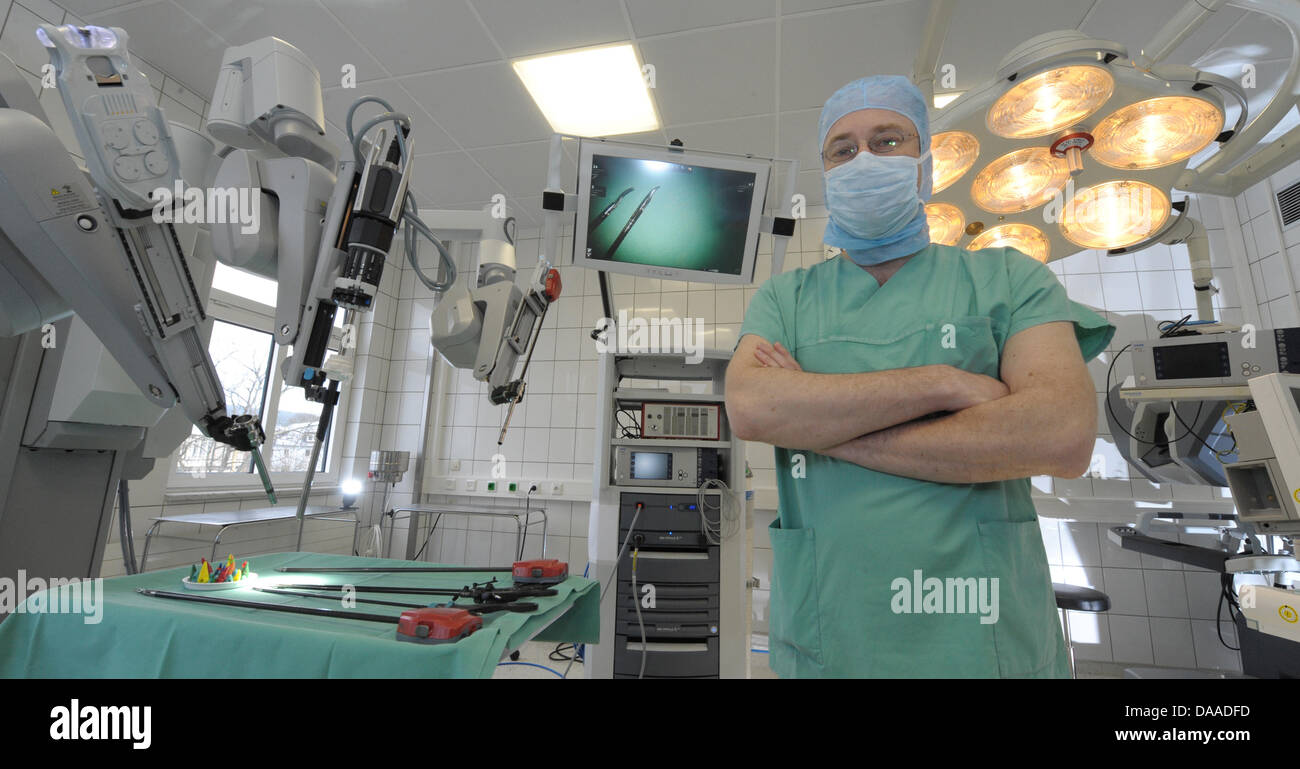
[319,612]
[391,569]
[322,429]
[458,592]
[520,607]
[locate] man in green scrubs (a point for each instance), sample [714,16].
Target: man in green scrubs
[911,390]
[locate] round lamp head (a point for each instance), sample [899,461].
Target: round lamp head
[953,153]
[946,223]
[1050,101]
[1156,132]
[1025,238]
[1019,181]
[1114,214]
[351,490]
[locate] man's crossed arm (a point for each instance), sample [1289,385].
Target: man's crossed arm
[1042,421]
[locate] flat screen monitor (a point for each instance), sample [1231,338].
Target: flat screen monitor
[669,214]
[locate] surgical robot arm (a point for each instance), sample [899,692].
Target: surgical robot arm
[98,245]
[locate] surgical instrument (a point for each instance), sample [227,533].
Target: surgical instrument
[609,209]
[520,607]
[439,624]
[628,227]
[541,571]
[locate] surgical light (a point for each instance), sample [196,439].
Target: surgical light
[590,92]
[953,153]
[1025,238]
[1050,101]
[351,490]
[946,223]
[1019,180]
[1156,132]
[1114,214]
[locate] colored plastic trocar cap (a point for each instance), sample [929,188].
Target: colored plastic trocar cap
[436,625]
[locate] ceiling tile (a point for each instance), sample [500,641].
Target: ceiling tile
[655,17]
[480,106]
[411,37]
[850,43]
[299,22]
[986,21]
[1134,24]
[1253,38]
[84,7]
[799,138]
[742,136]
[452,179]
[657,138]
[427,136]
[799,6]
[521,169]
[539,26]
[714,74]
[527,212]
[172,40]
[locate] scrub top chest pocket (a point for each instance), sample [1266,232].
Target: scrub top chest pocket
[965,342]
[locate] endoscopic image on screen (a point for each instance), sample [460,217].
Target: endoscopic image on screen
[668,214]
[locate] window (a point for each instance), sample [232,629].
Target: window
[248,361]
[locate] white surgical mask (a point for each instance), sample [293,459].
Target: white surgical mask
[874,196]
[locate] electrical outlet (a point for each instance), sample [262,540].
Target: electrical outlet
[557,489]
[470,484]
[449,484]
[492,486]
[514,487]
[455,465]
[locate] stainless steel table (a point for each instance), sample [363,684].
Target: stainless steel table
[523,519]
[228,519]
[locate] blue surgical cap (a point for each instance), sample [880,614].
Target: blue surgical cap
[892,92]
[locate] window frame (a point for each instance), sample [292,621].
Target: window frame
[241,311]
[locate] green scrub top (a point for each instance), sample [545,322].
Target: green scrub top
[879,575]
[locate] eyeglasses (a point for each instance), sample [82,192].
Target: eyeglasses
[884,143]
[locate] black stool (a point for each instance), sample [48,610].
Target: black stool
[1076,598]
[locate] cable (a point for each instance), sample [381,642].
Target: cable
[727,524]
[124,528]
[416,226]
[639,507]
[627,429]
[505,229]
[527,518]
[1225,580]
[531,665]
[636,602]
[397,118]
[1217,454]
[409,210]
[1111,409]
[432,528]
[1170,328]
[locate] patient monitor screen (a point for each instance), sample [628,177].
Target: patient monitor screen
[664,214]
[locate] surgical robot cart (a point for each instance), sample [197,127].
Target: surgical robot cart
[104,275]
[667,525]
[1215,405]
